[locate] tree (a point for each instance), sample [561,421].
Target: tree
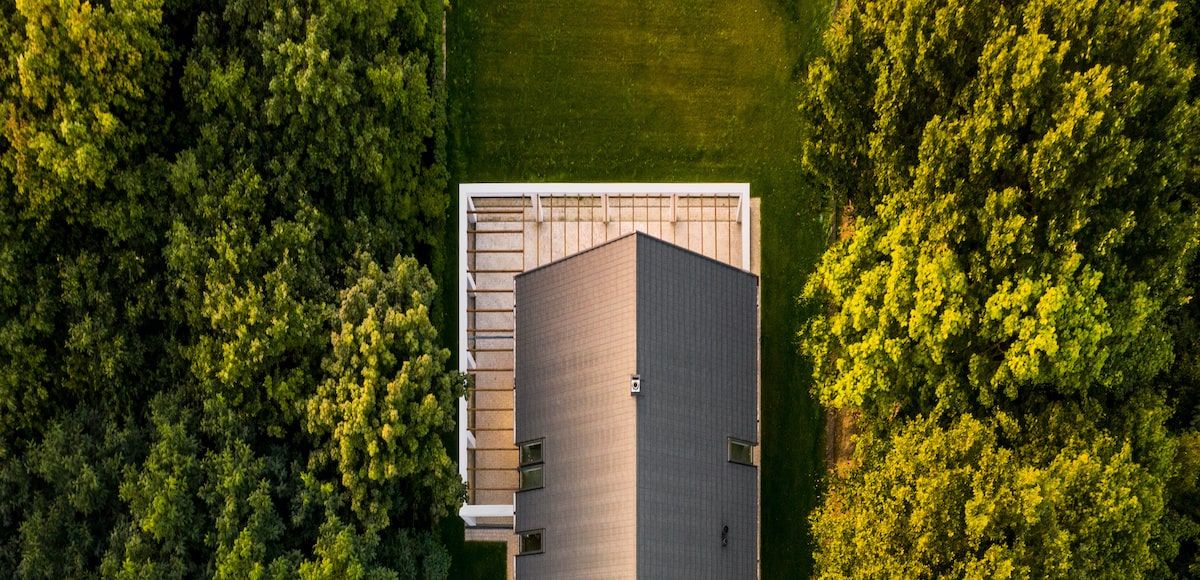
[194,199]
[1187,34]
[314,124]
[317,126]
[982,498]
[1184,376]
[388,398]
[82,103]
[1022,180]
[83,338]
[1028,166]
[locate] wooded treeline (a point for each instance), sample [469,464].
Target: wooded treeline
[1014,311]
[216,348]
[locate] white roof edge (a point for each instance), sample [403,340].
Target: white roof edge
[486,510]
[517,189]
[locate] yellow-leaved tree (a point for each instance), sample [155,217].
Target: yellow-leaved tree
[1024,211]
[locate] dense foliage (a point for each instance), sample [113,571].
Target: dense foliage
[981,498]
[1184,376]
[1022,176]
[212,359]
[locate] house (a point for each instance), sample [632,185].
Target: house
[636,367]
[508,228]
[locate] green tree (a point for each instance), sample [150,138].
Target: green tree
[61,495]
[163,537]
[1187,34]
[388,398]
[317,155]
[1022,182]
[83,337]
[314,122]
[985,499]
[193,201]
[82,212]
[1029,173]
[1184,376]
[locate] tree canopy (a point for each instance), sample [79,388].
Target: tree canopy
[216,358]
[1030,223]
[1022,182]
[980,498]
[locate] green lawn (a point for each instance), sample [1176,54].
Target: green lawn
[622,90]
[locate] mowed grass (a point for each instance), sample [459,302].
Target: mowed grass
[620,90]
